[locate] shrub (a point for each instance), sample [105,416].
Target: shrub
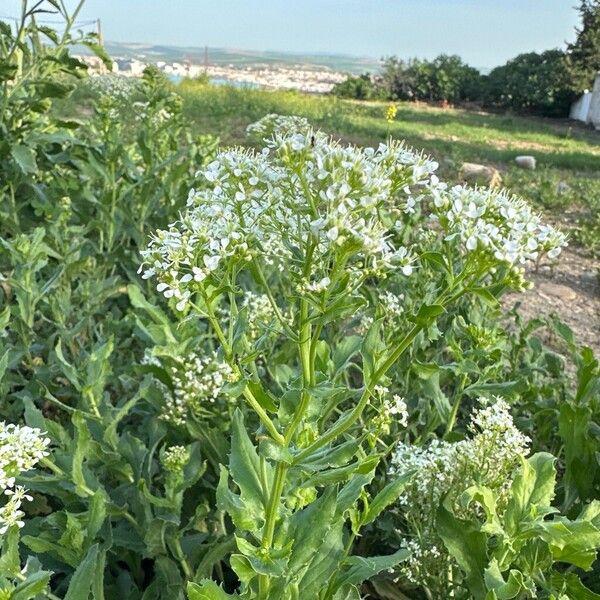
[359,87]
[446,78]
[533,83]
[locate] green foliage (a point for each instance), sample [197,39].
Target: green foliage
[240,448]
[361,87]
[534,83]
[584,52]
[510,554]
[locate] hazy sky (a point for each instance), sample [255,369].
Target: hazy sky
[483,32]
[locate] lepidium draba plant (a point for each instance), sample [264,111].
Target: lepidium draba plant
[21,449]
[313,226]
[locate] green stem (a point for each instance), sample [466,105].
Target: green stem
[304,350]
[267,289]
[248,395]
[344,424]
[270,521]
[455,407]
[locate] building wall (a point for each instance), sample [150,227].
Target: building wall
[587,107]
[594,111]
[581,107]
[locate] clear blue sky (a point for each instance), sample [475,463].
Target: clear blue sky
[483,32]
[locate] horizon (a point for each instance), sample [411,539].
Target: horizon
[482,33]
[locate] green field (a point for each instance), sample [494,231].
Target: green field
[568,155]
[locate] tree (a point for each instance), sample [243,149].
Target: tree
[584,52]
[533,83]
[446,78]
[358,88]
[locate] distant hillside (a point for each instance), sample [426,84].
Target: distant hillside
[242,58]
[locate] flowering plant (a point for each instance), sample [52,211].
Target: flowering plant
[312,226]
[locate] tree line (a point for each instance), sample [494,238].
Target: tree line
[543,83]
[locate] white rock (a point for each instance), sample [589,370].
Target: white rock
[476,173]
[525,162]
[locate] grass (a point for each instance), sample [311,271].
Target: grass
[566,183]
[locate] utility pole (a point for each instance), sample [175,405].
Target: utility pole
[99,31]
[205,59]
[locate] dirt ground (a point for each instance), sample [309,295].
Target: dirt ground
[570,290]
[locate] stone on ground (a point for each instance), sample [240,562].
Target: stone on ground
[475,173]
[525,162]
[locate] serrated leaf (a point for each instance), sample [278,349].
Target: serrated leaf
[245,467]
[467,545]
[388,495]
[532,491]
[35,584]
[24,156]
[81,581]
[358,569]
[207,590]
[428,313]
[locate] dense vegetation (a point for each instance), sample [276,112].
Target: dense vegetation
[532,83]
[279,374]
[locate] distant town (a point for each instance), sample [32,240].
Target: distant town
[314,79]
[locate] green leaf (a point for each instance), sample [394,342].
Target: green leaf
[245,467]
[531,492]
[428,313]
[309,527]
[81,582]
[388,495]
[487,297]
[82,443]
[24,156]
[10,563]
[243,568]
[96,514]
[358,568]
[504,590]
[138,301]
[35,584]
[207,590]
[243,518]
[572,542]
[435,260]
[580,450]
[347,593]
[571,585]
[467,545]
[264,397]
[69,370]
[372,348]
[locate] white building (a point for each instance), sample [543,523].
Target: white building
[587,107]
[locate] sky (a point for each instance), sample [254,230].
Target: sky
[483,32]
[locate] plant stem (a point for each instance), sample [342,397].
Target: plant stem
[271,518]
[248,395]
[344,424]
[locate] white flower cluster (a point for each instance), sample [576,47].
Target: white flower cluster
[424,560]
[21,448]
[494,222]
[175,459]
[274,124]
[488,457]
[145,113]
[303,194]
[391,307]
[196,381]
[113,85]
[391,410]
[260,313]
